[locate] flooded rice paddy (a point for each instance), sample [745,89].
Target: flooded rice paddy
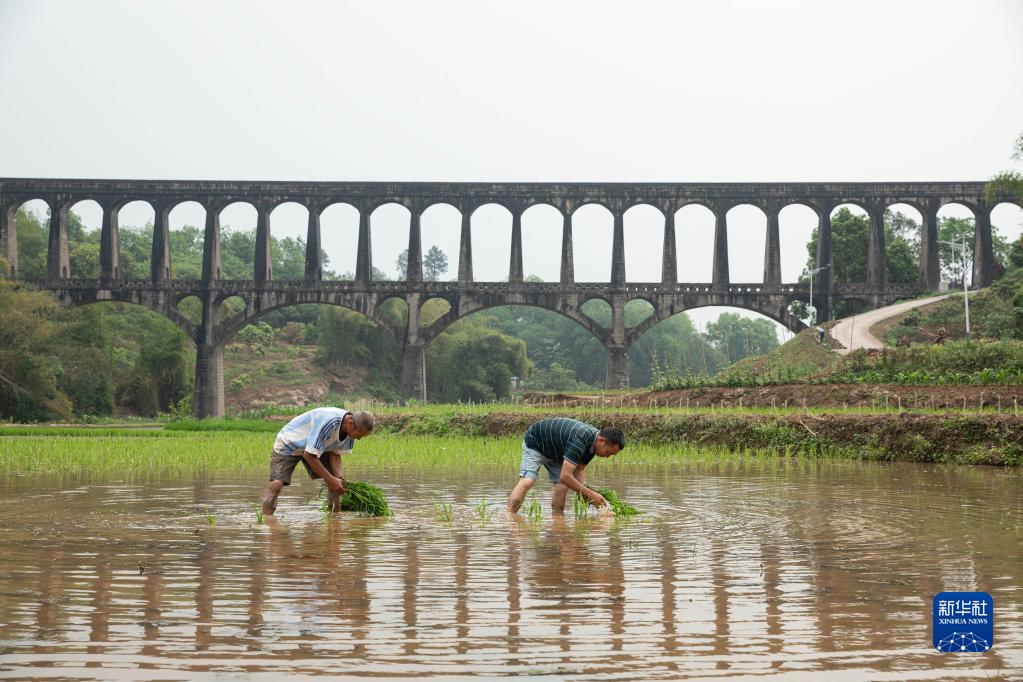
[742,568]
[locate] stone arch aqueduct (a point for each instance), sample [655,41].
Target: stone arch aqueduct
[771,297]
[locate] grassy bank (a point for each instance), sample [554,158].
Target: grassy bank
[472,439]
[965,438]
[183,453]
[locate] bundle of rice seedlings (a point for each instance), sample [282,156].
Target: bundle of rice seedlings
[618,507]
[364,498]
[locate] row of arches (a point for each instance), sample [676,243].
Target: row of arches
[491,231]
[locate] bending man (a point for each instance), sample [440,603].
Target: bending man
[316,438]
[563,447]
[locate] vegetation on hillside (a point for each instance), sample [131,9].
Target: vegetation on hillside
[98,360]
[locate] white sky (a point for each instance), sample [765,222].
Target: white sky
[787,90]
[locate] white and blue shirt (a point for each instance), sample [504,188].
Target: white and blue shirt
[316,431]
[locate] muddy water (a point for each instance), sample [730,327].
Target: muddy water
[737,569]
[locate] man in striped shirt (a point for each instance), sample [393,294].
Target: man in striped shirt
[317,439]
[563,447]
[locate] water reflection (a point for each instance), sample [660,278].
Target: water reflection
[739,568]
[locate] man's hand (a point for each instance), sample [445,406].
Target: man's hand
[336,485]
[595,498]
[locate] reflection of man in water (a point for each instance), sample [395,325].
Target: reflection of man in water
[563,447]
[316,438]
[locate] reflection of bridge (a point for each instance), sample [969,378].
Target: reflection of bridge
[262,293]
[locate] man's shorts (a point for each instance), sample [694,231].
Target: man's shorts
[281,466]
[532,460]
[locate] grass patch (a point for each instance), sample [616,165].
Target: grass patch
[659,442]
[256,425]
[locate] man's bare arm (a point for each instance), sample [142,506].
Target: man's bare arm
[570,479]
[316,465]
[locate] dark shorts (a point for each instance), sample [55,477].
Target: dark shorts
[281,466]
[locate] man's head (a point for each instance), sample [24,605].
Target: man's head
[610,441]
[358,424]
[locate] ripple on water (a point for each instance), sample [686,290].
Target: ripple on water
[735,570]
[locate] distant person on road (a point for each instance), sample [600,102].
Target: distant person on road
[316,438]
[563,447]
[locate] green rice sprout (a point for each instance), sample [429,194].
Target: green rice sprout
[259,516]
[481,511]
[534,512]
[443,511]
[210,518]
[619,508]
[579,505]
[325,511]
[365,499]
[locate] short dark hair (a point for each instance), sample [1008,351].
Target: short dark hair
[613,435]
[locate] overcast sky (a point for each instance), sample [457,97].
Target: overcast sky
[784,90]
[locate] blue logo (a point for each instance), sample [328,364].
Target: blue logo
[964,622]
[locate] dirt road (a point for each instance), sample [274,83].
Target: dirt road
[854,332]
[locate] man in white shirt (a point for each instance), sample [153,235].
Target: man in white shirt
[316,438]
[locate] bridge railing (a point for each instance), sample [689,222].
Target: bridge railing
[452,287]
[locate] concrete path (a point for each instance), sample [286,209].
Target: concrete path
[854,332]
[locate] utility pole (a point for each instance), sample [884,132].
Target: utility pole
[966,294]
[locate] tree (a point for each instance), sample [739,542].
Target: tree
[33,236]
[739,337]
[1008,182]
[553,378]
[551,339]
[962,230]
[402,264]
[850,236]
[288,258]
[29,372]
[435,264]
[471,362]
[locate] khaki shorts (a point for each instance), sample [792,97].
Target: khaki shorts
[282,466]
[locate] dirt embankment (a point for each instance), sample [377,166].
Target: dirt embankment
[802,395]
[978,438]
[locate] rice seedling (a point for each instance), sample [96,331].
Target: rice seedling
[259,516]
[210,518]
[483,511]
[326,513]
[364,498]
[443,511]
[618,508]
[579,506]
[534,512]
[141,454]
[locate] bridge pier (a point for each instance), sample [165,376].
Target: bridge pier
[109,246]
[9,239]
[823,300]
[930,267]
[208,397]
[413,371]
[58,258]
[160,261]
[772,250]
[719,273]
[617,367]
[413,353]
[983,249]
[877,257]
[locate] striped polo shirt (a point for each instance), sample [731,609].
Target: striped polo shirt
[561,438]
[316,431]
